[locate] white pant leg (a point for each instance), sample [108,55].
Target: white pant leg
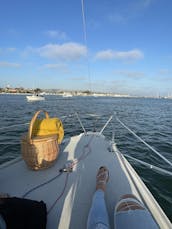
[138,218]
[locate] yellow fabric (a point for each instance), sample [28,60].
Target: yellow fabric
[48,126]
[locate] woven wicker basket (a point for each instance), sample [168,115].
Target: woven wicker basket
[39,152]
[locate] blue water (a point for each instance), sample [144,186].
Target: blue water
[151,119]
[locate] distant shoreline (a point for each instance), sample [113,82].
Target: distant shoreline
[89,95]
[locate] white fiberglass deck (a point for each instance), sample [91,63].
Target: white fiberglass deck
[71,209]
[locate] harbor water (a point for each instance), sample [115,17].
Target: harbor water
[151,119]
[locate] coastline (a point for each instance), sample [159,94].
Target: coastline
[80,94]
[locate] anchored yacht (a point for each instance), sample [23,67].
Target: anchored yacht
[36,97]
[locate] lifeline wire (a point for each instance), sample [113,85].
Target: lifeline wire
[149,165]
[150,147]
[7,127]
[27,123]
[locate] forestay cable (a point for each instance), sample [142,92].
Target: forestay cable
[150,147]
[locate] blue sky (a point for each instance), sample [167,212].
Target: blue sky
[129,45]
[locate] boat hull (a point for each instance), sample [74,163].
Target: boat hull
[35,98]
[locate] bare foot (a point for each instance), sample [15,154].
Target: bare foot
[102,178]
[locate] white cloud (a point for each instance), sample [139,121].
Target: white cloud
[81,78]
[164,75]
[147,3]
[109,54]
[129,11]
[7,50]
[56,34]
[9,64]
[53,66]
[94,24]
[117,18]
[130,74]
[57,66]
[11,49]
[164,71]
[66,51]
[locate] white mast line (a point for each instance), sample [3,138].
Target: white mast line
[85,40]
[150,147]
[84,22]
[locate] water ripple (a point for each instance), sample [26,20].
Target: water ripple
[151,119]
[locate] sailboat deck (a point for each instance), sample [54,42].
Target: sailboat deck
[68,196]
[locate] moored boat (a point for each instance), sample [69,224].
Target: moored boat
[35,98]
[67,94]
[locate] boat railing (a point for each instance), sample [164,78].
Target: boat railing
[27,123]
[82,126]
[139,138]
[149,165]
[64,119]
[12,126]
[145,143]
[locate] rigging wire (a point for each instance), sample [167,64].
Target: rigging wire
[145,143]
[106,124]
[84,22]
[27,123]
[149,165]
[7,127]
[85,41]
[80,122]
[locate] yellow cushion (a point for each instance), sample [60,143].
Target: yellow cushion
[48,126]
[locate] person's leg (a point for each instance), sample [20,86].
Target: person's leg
[98,212]
[2,223]
[98,216]
[131,213]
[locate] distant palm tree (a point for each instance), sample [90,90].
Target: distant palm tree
[37,90]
